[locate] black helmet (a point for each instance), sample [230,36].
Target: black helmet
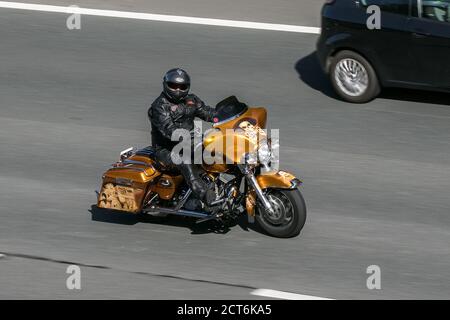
[176,84]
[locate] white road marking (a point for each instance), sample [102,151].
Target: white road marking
[160,17]
[284,295]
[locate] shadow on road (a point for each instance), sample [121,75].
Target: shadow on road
[430,97]
[310,72]
[111,216]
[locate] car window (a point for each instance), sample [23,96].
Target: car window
[394,6]
[414,8]
[438,10]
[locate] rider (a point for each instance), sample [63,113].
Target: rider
[175,109]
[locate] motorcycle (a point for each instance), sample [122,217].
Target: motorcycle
[244,182]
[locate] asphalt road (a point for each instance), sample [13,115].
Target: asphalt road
[376,176]
[304,12]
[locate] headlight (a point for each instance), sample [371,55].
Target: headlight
[251,158]
[263,155]
[264,152]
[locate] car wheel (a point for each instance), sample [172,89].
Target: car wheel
[353,78]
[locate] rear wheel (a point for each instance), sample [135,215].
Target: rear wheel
[353,77]
[288,216]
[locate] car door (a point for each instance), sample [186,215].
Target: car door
[389,42]
[430,35]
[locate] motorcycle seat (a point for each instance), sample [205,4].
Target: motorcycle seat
[150,152]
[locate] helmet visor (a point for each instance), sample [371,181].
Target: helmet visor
[178,86]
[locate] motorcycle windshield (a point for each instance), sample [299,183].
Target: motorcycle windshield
[229,109]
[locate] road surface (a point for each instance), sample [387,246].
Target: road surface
[376,176]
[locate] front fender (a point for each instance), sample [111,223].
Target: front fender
[276,180]
[279,180]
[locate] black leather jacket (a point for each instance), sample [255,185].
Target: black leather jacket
[166,116]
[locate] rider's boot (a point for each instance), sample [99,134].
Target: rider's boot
[201,190]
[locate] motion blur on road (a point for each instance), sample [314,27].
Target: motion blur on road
[376,176]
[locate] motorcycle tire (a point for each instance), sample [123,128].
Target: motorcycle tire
[283,223]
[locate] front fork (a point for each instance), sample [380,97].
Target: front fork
[278,180]
[259,193]
[253,182]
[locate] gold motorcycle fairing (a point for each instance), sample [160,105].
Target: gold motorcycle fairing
[256,114]
[230,140]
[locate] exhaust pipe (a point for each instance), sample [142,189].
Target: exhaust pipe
[181,212]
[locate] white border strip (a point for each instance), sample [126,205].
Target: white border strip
[284,295]
[160,17]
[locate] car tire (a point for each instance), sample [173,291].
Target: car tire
[370,84]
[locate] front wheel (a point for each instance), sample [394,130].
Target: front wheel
[288,216]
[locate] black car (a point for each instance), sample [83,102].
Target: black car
[411,48]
